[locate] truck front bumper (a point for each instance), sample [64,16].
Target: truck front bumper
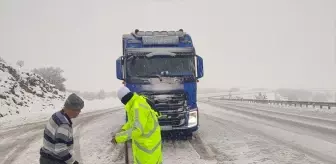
[183,128]
[190,122]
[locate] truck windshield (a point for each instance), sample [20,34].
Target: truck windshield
[142,66]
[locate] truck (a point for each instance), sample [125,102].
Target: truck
[164,67]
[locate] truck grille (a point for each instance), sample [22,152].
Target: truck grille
[172,107]
[172,119]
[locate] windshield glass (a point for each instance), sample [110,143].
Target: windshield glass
[142,66]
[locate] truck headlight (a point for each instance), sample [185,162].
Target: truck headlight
[192,118]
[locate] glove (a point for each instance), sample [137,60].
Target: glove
[76,162]
[113,141]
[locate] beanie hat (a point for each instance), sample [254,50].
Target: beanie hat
[74,102]
[124,94]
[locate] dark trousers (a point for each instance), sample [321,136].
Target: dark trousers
[44,160]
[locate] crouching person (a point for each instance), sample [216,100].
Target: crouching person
[58,136]
[142,128]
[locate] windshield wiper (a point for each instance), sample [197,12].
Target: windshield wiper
[130,57]
[154,75]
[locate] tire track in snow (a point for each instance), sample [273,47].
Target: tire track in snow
[20,146]
[326,133]
[25,135]
[192,150]
[21,130]
[203,150]
[232,142]
[314,147]
[318,120]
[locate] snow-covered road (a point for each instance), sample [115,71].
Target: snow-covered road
[92,135]
[21,144]
[254,133]
[230,133]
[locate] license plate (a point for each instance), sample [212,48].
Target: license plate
[166,127]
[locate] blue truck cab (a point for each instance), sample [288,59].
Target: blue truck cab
[163,66]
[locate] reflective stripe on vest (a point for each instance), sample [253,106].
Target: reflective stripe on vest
[149,151]
[137,124]
[138,161]
[149,134]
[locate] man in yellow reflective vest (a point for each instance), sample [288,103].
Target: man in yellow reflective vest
[142,127]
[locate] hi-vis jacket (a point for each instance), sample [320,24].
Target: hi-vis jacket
[143,128]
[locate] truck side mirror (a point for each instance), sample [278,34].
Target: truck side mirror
[119,70]
[200,71]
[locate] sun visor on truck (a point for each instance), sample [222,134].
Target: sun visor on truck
[160,40]
[162,87]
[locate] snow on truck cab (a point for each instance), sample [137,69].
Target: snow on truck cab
[163,66]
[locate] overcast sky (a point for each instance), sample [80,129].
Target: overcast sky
[250,43]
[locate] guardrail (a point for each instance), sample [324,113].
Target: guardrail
[281,102]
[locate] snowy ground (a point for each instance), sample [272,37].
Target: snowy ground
[246,134]
[24,148]
[92,133]
[230,133]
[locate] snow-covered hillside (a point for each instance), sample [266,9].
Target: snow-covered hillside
[25,94]
[26,97]
[22,91]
